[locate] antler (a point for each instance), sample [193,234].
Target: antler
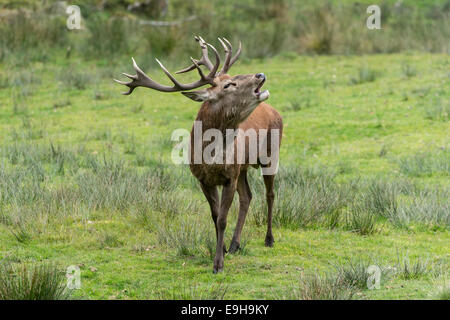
[203,61]
[142,80]
[229,60]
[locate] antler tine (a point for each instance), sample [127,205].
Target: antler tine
[228,52]
[187,69]
[141,80]
[200,72]
[216,66]
[236,56]
[203,61]
[169,75]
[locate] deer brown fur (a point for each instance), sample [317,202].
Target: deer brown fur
[232,102]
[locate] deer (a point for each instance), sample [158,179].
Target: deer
[230,102]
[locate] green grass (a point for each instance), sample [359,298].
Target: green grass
[86,179]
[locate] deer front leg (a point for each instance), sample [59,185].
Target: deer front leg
[225,203]
[212,196]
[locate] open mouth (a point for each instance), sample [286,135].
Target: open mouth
[261,95]
[258,88]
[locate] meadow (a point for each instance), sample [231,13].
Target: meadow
[86,179]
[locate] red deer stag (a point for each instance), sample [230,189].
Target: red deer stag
[231,102]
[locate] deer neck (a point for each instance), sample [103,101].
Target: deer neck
[214,116]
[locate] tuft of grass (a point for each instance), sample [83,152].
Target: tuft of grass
[354,274]
[193,292]
[408,71]
[426,164]
[304,197]
[344,167]
[172,203]
[384,150]
[188,237]
[137,108]
[72,78]
[365,74]
[130,145]
[295,105]
[30,130]
[20,104]
[210,244]
[407,269]
[437,110]
[37,282]
[380,197]
[109,240]
[21,233]
[323,287]
[300,103]
[430,207]
[360,220]
[243,247]
[140,248]
[61,103]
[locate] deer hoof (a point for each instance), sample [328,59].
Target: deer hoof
[234,247]
[217,268]
[269,241]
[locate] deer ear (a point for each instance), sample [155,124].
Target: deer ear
[199,96]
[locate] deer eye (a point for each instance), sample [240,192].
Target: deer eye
[229,84]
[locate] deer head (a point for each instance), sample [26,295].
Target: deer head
[234,96]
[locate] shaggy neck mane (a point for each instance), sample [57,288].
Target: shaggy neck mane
[217,116]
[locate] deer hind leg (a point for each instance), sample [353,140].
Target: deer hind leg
[225,204]
[268,181]
[245,196]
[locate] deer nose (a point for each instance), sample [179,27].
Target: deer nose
[260,76]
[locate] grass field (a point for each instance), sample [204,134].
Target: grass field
[86,179]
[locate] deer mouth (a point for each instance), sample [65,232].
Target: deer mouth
[261,95]
[258,88]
